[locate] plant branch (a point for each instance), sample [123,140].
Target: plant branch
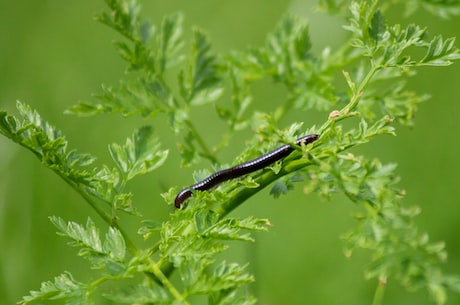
[264,179]
[166,283]
[240,195]
[379,291]
[129,243]
[206,152]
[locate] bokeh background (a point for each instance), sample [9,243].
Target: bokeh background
[53,54]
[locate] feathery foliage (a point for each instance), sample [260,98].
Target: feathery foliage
[163,78]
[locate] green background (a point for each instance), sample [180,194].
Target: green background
[53,54]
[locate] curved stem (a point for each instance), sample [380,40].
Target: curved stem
[281,111]
[129,243]
[166,283]
[264,179]
[379,291]
[357,93]
[206,152]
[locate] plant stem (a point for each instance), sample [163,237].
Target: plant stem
[265,178]
[206,152]
[348,110]
[129,243]
[358,93]
[166,283]
[380,291]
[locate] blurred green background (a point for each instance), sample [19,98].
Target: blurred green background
[52,54]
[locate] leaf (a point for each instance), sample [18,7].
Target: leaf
[150,227]
[146,56]
[139,155]
[64,287]
[188,151]
[333,6]
[204,220]
[139,294]
[230,297]
[225,276]
[170,41]
[377,27]
[241,100]
[283,185]
[87,237]
[390,45]
[124,18]
[115,245]
[444,8]
[208,225]
[441,52]
[108,254]
[200,82]
[363,15]
[47,143]
[75,159]
[8,125]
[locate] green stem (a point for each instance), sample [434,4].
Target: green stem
[206,152]
[358,93]
[348,110]
[380,291]
[281,111]
[166,283]
[266,177]
[129,243]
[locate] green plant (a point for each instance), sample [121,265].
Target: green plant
[166,79]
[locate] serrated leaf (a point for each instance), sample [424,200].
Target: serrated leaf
[445,9]
[203,220]
[150,227]
[64,287]
[228,229]
[87,109]
[225,276]
[8,124]
[206,96]
[377,26]
[230,297]
[139,155]
[438,293]
[333,6]
[47,143]
[139,294]
[188,151]
[114,244]
[108,254]
[78,159]
[441,52]
[88,236]
[202,73]
[281,187]
[170,42]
